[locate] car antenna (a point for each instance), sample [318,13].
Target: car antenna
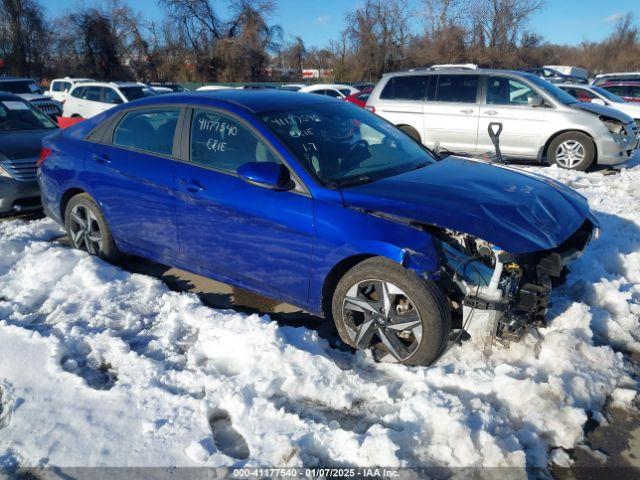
[495,129]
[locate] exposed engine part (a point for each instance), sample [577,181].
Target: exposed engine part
[502,295]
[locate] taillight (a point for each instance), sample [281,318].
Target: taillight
[44,153]
[372,109]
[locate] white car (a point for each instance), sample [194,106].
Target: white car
[330,89]
[88,99]
[600,96]
[210,88]
[60,87]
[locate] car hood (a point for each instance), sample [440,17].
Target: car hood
[603,110]
[23,144]
[517,211]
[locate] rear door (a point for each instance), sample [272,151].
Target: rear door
[132,176]
[401,101]
[506,102]
[451,113]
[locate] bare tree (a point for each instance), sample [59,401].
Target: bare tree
[24,37]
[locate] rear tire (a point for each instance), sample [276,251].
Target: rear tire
[88,230]
[382,306]
[572,150]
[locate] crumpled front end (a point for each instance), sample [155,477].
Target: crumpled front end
[498,295]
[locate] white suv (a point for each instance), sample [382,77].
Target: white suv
[59,87]
[452,109]
[88,99]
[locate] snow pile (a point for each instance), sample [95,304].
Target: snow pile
[102,367]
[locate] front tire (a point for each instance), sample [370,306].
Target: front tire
[572,150]
[87,229]
[382,306]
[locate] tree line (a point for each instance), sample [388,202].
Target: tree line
[195,41]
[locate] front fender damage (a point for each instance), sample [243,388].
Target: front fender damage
[493,294]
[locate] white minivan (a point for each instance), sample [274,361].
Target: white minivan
[88,99]
[450,110]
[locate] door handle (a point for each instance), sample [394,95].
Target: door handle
[101,158]
[491,112]
[191,185]
[467,110]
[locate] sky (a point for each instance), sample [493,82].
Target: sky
[317,22]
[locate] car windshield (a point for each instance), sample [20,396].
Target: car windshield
[342,144]
[608,95]
[18,115]
[551,89]
[133,93]
[20,86]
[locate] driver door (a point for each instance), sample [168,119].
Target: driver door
[237,232]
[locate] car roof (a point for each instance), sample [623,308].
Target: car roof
[455,71]
[253,101]
[622,83]
[10,97]
[14,79]
[107,84]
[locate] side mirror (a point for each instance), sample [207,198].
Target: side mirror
[598,101]
[271,175]
[535,101]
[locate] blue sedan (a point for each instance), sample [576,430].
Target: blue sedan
[321,204]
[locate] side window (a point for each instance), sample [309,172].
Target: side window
[92,93]
[57,87]
[319,92]
[634,91]
[332,93]
[78,92]
[111,96]
[619,90]
[411,87]
[220,142]
[457,88]
[148,130]
[507,91]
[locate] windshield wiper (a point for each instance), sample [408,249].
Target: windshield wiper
[419,166]
[356,181]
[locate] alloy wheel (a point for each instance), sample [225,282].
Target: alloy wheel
[377,311]
[570,153]
[85,230]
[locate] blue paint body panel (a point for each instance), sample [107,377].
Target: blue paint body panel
[283,243]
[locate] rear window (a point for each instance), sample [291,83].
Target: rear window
[409,87]
[20,86]
[17,115]
[148,130]
[132,93]
[457,88]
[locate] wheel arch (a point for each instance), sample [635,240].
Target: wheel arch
[66,196]
[424,264]
[545,150]
[402,126]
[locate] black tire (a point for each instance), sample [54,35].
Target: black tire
[85,238]
[412,132]
[423,297]
[583,142]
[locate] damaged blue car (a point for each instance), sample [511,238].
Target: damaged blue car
[323,205]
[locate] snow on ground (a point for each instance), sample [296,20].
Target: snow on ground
[101,367]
